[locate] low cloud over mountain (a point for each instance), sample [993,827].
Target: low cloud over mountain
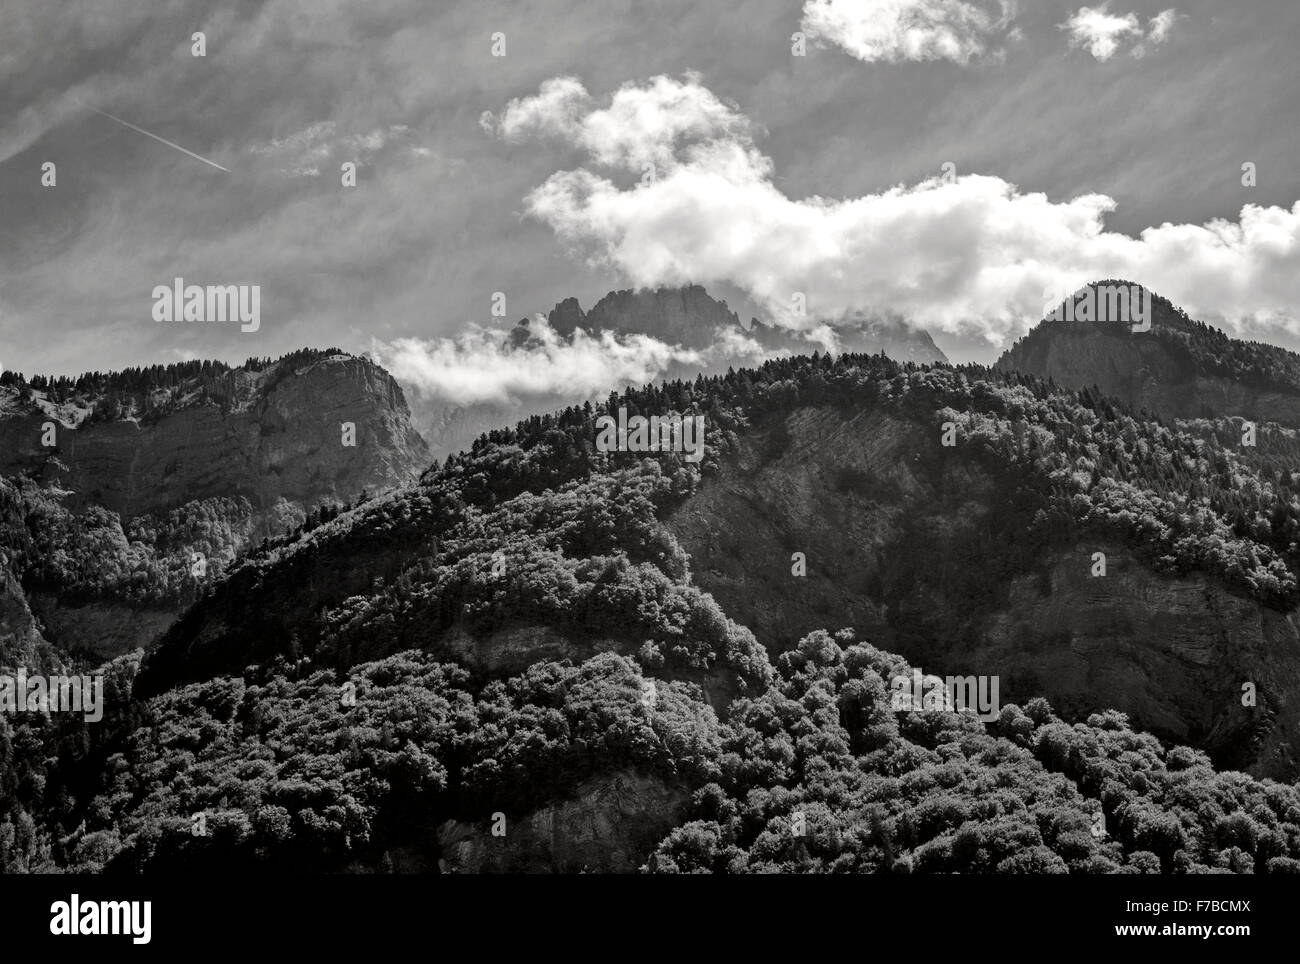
[677,190]
[483,365]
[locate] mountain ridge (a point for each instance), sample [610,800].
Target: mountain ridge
[1180,368]
[630,656]
[154,479]
[926,546]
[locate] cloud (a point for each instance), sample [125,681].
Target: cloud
[969,254]
[484,365]
[302,153]
[734,345]
[643,125]
[895,30]
[556,110]
[1100,31]
[1160,26]
[1103,33]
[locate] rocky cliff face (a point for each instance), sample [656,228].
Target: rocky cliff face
[608,825]
[282,439]
[21,642]
[450,427]
[1174,652]
[125,494]
[863,496]
[686,316]
[690,317]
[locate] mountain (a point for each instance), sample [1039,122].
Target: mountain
[608,654]
[686,317]
[610,651]
[639,661]
[452,427]
[977,557]
[1180,368]
[689,317]
[113,483]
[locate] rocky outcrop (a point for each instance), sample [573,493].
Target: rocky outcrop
[101,628]
[896,339]
[1177,653]
[274,451]
[282,440]
[855,493]
[686,316]
[830,488]
[690,317]
[568,316]
[609,825]
[450,427]
[21,642]
[1146,374]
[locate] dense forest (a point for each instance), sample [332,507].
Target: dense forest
[814,774]
[237,716]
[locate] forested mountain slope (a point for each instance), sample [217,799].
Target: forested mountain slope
[567,644]
[975,557]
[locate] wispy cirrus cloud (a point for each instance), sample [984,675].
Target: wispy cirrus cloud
[304,152]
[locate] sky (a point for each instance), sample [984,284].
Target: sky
[959,163]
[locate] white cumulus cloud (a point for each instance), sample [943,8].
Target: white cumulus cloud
[642,124]
[895,30]
[1103,33]
[968,254]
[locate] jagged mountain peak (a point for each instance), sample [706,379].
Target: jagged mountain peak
[691,317]
[686,315]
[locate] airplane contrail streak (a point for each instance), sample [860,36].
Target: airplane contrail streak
[161,140]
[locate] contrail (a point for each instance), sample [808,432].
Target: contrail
[162,140]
